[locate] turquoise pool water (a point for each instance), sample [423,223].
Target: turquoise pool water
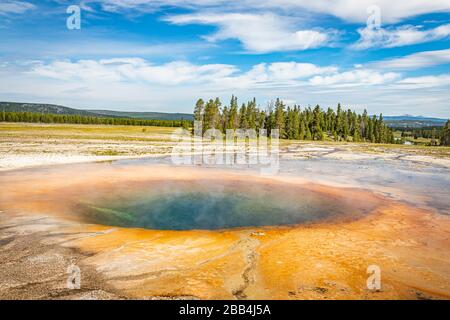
[183,205]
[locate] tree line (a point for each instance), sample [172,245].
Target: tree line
[33,117]
[445,136]
[293,122]
[435,134]
[431,133]
[427,133]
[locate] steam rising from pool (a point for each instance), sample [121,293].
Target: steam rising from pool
[212,204]
[177,198]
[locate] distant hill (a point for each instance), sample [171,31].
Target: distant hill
[409,121]
[404,121]
[43,108]
[57,109]
[145,115]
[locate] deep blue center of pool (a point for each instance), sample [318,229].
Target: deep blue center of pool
[186,207]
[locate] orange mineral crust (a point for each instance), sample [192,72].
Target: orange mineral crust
[324,259]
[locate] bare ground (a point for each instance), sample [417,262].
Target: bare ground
[327,262]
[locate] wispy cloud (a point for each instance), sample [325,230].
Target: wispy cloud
[416,60]
[132,69]
[14,7]
[399,36]
[276,74]
[425,81]
[257,32]
[101,47]
[140,84]
[348,10]
[355,78]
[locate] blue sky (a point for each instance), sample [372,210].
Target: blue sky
[390,57]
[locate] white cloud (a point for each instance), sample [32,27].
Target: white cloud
[400,36]
[285,25]
[181,73]
[425,81]
[132,69]
[176,72]
[349,10]
[356,10]
[355,77]
[14,7]
[277,74]
[139,85]
[416,60]
[39,48]
[295,70]
[257,32]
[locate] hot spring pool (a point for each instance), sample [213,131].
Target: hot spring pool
[213,204]
[180,198]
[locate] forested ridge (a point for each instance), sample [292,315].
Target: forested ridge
[34,117]
[294,122]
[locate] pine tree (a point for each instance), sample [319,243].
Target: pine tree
[339,121]
[224,119]
[292,123]
[199,109]
[261,123]
[243,117]
[308,135]
[364,125]
[280,117]
[302,129]
[356,132]
[212,115]
[233,118]
[445,136]
[316,126]
[250,114]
